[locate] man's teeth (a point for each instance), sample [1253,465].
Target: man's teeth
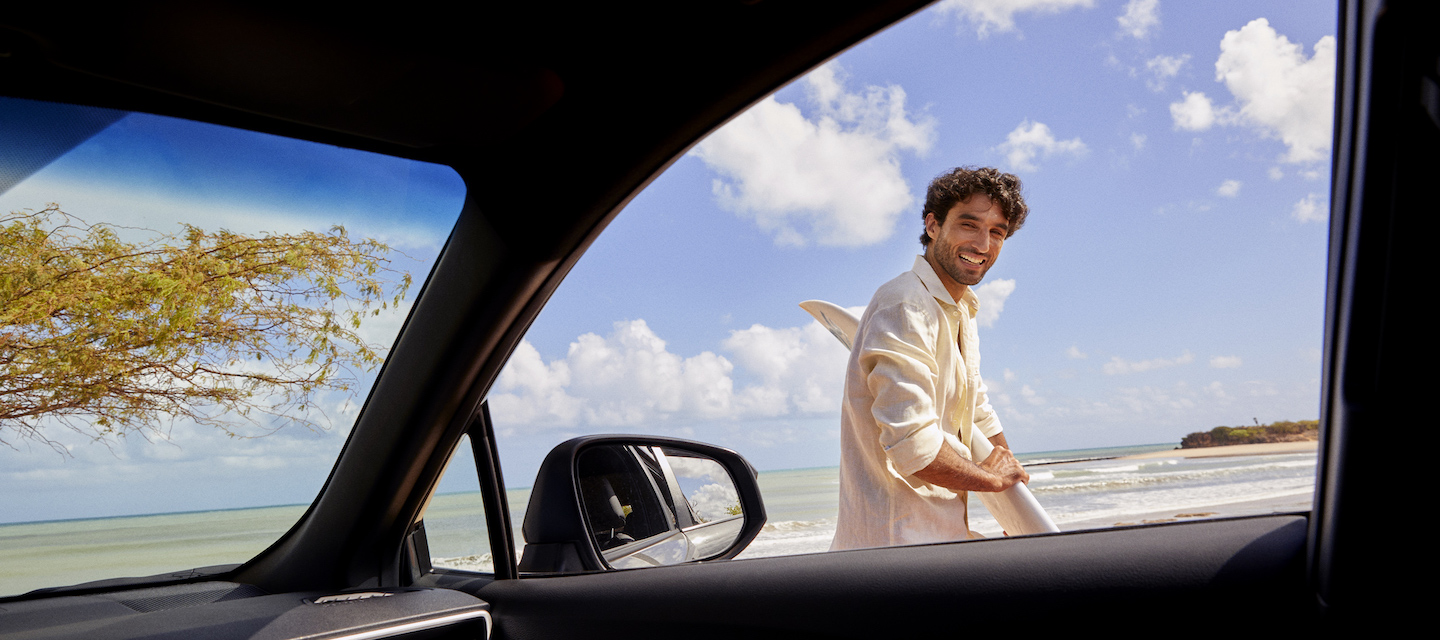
[971,260]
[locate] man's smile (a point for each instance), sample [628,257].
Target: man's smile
[975,261]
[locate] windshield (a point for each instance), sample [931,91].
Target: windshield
[192,317]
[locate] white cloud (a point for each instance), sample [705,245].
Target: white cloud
[1031,139]
[1163,68]
[1194,113]
[1118,365]
[713,501]
[1275,173]
[1137,140]
[1308,209]
[992,297]
[800,369]
[999,15]
[1075,353]
[833,179]
[630,379]
[1229,188]
[1279,90]
[529,391]
[625,379]
[1031,397]
[1225,362]
[1010,376]
[1140,17]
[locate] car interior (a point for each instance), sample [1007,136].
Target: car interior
[509,95]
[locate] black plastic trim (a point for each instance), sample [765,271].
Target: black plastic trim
[492,492]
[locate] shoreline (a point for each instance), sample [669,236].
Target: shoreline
[1298,502]
[1224,451]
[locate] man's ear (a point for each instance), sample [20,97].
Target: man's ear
[932,226]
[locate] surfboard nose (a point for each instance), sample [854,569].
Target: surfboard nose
[840,322]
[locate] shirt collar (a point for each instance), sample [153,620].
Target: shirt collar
[937,288]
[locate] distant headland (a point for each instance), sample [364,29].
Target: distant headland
[1282,431]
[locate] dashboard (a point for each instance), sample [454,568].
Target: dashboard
[220,609]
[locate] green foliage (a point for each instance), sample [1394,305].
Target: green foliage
[734,509]
[1282,431]
[109,337]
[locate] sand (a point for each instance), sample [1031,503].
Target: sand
[1269,448]
[1281,504]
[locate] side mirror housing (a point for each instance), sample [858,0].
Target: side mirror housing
[616,502]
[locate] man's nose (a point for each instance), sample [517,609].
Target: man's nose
[982,243]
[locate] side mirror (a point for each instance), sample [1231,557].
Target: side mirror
[622,502]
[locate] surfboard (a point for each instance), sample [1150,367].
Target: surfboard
[1015,508]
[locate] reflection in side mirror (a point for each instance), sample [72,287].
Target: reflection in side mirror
[643,502]
[652,506]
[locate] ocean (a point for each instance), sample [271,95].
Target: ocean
[1081,489]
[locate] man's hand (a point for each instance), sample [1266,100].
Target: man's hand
[1003,464]
[999,472]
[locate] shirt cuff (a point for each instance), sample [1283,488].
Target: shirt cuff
[916,451]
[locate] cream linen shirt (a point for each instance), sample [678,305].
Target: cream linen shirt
[912,386]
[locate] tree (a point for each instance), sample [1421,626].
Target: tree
[109,337]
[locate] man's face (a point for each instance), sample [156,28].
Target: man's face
[965,247]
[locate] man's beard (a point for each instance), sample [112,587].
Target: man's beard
[949,259]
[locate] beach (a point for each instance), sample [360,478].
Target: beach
[1268,448]
[1081,490]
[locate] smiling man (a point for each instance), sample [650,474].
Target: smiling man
[913,394]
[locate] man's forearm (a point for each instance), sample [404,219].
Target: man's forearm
[999,440]
[951,470]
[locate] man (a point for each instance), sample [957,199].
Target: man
[913,394]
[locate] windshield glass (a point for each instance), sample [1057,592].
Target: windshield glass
[192,316]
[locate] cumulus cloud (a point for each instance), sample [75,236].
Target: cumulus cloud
[1030,396]
[1225,362]
[1275,173]
[1279,91]
[1309,209]
[1140,18]
[999,15]
[1034,139]
[1137,140]
[799,369]
[833,178]
[1229,188]
[1075,353]
[992,297]
[1193,113]
[630,378]
[625,379]
[1118,365]
[713,501]
[1163,68]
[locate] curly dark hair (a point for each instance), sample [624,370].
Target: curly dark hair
[959,184]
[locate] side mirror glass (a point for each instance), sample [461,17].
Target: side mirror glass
[622,502]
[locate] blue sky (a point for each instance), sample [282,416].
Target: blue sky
[1170,278]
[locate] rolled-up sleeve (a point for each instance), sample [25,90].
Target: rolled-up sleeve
[896,353]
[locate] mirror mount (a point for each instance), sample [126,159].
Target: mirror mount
[558,526]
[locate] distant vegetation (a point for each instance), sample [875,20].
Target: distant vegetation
[1274,432]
